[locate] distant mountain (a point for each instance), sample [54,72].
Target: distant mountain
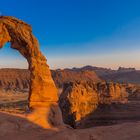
[99,70]
[122,75]
[18,79]
[122,69]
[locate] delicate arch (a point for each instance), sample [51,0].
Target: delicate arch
[43,92]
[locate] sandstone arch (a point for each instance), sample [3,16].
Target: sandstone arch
[43,93]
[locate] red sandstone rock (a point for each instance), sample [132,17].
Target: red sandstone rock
[80,99]
[43,92]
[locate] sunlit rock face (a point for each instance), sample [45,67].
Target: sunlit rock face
[43,92]
[111,92]
[77,100]
[80,99]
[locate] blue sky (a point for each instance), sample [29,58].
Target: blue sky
[74,33]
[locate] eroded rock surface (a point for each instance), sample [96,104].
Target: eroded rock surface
[80,99]
[14,80]
[18,79]
[43,92]
[69,75]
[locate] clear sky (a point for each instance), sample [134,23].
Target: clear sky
[74,33]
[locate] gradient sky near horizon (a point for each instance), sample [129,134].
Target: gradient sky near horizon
[74,33]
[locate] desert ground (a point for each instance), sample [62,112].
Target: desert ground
[14,124]
[115,121]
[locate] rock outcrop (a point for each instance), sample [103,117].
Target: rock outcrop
[19,79]
[79,99]
[68,75]
[134,92]
[14,80]
[42,93]
[122,69]
[122,75]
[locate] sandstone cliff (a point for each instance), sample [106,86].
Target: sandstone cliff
[14,80]
[88,73]
[18,79]
[62,76]
[79,99]
[122,75]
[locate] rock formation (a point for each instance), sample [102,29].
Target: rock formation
[43,93]
[122,75]
[68,75]
[14,80]
[134,92]
[17,80]
[123,69]
[79,99]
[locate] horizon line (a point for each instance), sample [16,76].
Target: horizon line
[109,68]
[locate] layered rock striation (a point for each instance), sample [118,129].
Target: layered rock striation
[68,75]
[19,79]
[14,80]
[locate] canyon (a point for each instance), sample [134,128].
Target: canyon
[87,104]
[40,103]
[18,79]
[85,98]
